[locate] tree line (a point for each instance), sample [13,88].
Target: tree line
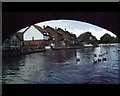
[107,38]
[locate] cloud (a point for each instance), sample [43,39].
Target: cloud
[77,27]
[99,34]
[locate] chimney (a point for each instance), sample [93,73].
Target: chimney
[65,29]
[32,38]
[55,28]
[44,27]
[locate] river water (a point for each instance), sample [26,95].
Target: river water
[61,67]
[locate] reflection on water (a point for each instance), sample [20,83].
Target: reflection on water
[11,65]
[63,67]
[60,55]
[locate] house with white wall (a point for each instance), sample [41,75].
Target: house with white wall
[35,37]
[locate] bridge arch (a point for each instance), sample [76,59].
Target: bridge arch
[14,21]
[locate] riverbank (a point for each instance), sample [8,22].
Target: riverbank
[80,47]
[17,53]
[4,54]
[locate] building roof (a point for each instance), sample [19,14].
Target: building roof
[20,36]
[66,32]
[41,30]
[55,31]
[85,37]
[38,28]
[73,35]
[50,28]
[59,33]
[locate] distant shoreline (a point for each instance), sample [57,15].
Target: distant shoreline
[37,51]
[43,50]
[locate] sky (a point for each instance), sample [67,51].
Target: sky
[75,27]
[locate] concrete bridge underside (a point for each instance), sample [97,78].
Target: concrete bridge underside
[14,21]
